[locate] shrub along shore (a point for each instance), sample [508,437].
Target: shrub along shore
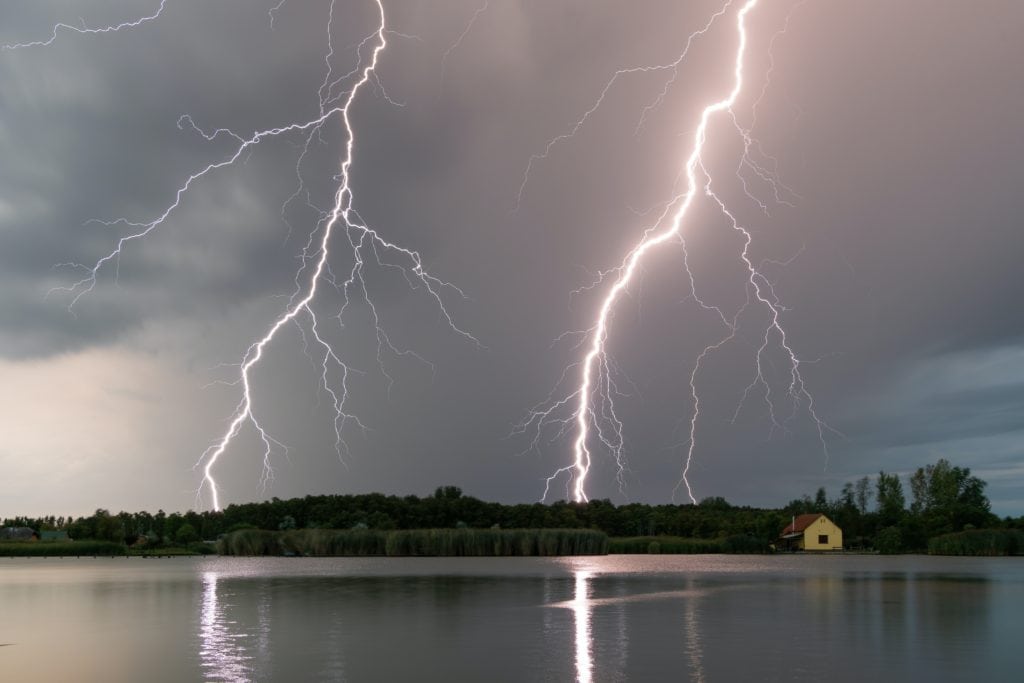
[62,549]
[96,549]
[980,542]
[415,542]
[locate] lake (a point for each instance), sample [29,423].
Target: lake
[702,618]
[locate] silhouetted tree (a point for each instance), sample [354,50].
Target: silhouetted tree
[948,498]
[891,502]
[862,494]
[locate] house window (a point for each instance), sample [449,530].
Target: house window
[823,539]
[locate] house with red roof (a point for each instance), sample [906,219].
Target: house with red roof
[811,532]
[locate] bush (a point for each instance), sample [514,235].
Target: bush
[889,540]
[744,544]
[186,534]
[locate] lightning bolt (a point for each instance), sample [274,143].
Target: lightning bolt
[337,94]
[84,30]
[589,411]
[462,36]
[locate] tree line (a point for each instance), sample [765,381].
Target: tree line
[873,512]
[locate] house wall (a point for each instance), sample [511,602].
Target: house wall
[822,526]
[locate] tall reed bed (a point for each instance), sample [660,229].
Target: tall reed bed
[415,542]
[676,545]
[985,542]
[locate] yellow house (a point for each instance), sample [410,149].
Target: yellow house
[811,532]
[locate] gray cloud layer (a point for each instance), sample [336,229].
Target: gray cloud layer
[895,126]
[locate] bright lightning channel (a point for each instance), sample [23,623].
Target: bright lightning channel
[592,403]
[363,242]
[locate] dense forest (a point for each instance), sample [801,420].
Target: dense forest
[875,513]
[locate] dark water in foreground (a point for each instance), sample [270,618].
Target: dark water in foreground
[617,618]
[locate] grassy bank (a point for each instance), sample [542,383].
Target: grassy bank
[62,549]
[676,545]
[96,549]
[415,542]
[980,542]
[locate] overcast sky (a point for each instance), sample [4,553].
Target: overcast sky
[891,241]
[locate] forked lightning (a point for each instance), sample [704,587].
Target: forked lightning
[589,410]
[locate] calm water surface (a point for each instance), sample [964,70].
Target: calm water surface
[617,618]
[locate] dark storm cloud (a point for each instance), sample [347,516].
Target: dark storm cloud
[96,138]
[896,126]
[989,412]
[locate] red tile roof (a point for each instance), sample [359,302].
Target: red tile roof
[800,523]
